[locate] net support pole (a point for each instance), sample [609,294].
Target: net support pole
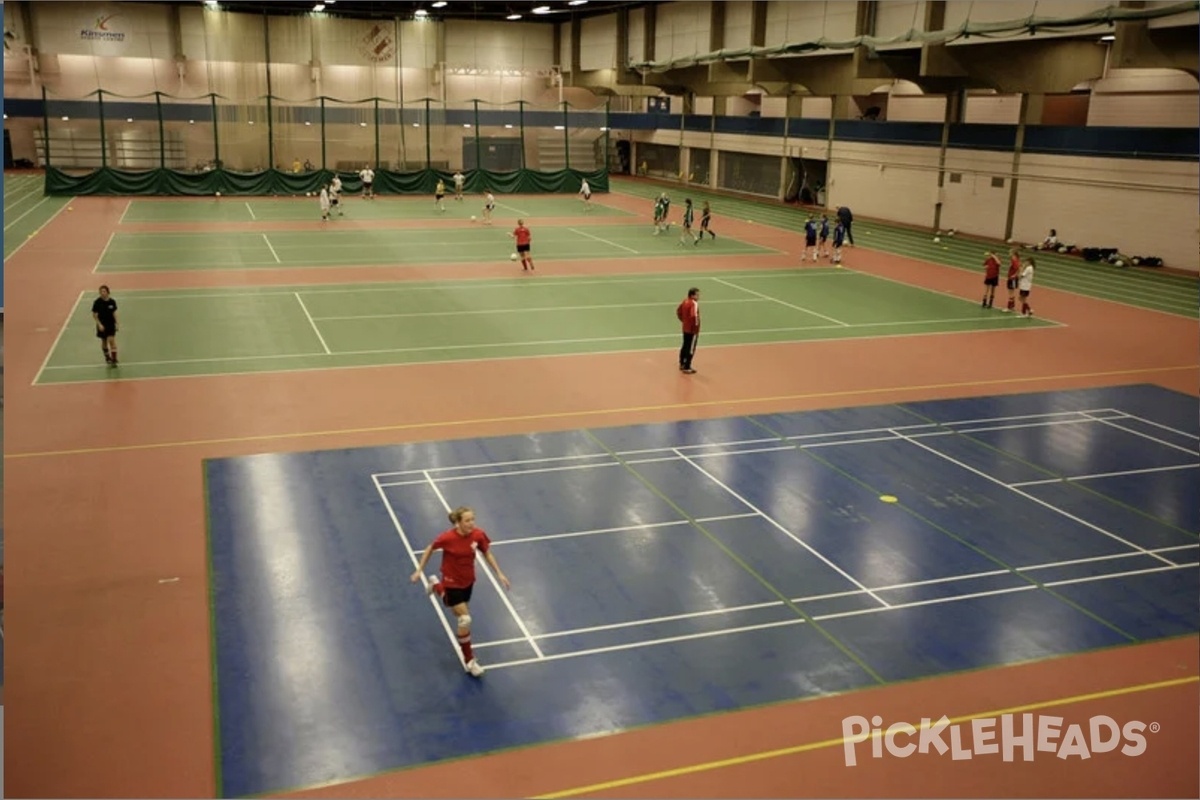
[216,135]
[103,138]
[162,141]
[607,130]
[428,125]
[376,161]
[566,138]
[478,143]
[45,127]
[521,114]
[323,144]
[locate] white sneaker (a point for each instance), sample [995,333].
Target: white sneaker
[474,668]
[429,581]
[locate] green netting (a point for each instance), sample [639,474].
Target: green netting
[160,144]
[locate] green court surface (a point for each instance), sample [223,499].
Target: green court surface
[244,330]
[1145,288]
[289,209]
[26,208]
[326,246]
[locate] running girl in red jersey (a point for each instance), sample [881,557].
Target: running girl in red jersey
[991,279]
[1014,272]
[459,545]
[523,237]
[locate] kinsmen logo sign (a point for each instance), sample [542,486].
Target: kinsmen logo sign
[378,44]
[101,30]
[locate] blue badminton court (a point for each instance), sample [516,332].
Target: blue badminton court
[664,571]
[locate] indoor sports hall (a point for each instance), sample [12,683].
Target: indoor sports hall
[879,529]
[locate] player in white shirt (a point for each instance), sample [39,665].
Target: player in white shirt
[335,195]
[459,179]
[324,198]
[1025,286]
[368,182]
[489,205]
[585,192]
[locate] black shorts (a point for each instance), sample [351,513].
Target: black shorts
[811,241]
[991,281]
[522,248]
[440,196]
[106,333]
[1024,293]
[453,597]
[1011,284]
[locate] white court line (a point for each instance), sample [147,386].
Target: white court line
[28,238]
[22,192]
[251,210]
[313,323]
[416,564]
[462,312]
[512,208]
[1163,442]
[822,617]
[782,529]
[1126,415]
[103,253]
[604,241]
[268,241]
[30,211]
[835,595]
[58,338]
[128,203]
[1105,475]
[495,583]
[781,302]
[734,443]
[1147,571]
[1039,501]
[621,529]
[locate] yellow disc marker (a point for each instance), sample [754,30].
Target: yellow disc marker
[887,498]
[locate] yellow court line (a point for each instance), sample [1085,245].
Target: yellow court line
[838,742]
[587,413]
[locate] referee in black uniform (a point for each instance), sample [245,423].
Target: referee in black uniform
[104,312]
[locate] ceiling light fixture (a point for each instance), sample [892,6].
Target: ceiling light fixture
[513,16]
[1108,38]
[440,4]
[542,10]
[577,2]
[319,7]
[420,12]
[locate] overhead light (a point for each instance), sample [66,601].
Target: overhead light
[211,3]
[420,12]
[577,2]
[542,10]
[319,7]
[513,16]
[440,4]
[1108,38]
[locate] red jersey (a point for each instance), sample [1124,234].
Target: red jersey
[1014,267]
[689,314]
[993,267]
[458,556]
[523,235]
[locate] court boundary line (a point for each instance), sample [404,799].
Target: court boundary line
[487,571]
[933,426]
[99,258]
[611,411]
[1014,325]
[39,228]
[611,244]
[61,331]
[416,563]
[311,322]
[793,306]
[823,744]
[1112,423]
[963,578]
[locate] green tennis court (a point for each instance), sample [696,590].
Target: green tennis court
[297,209]
[327,246]
[244,330]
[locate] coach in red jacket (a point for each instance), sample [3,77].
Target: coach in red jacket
[689,314]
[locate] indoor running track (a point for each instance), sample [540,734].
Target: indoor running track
[665,571]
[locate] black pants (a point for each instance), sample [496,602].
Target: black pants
[849,235]
[688,350]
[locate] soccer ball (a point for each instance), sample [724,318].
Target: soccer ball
[218,194]
[937,239]
[472,219]
[513,257]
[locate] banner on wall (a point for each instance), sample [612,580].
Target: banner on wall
[106,27]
